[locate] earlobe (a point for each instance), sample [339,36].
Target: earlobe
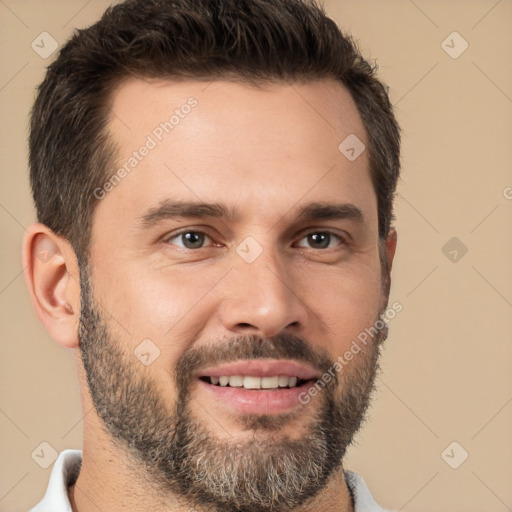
[51,274]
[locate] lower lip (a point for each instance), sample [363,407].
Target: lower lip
[249,401]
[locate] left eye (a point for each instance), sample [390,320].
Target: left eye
[190,239]
[320,240]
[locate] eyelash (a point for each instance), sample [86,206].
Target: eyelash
[342,241]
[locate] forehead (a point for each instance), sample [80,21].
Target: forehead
[221,108]
[262,149]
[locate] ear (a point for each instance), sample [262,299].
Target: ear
[388,252]
[52,277]
[391,247]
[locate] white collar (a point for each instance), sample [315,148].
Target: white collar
[56,498]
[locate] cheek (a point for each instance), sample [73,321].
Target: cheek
[168,306]
[346,300]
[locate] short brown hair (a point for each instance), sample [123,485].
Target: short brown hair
[244,40]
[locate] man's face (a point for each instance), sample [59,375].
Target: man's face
[240,246]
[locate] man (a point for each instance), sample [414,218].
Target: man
[214,183]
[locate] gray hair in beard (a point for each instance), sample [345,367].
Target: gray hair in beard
[179,456]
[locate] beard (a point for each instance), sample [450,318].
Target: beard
[179,455]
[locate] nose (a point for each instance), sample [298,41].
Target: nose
[260,299]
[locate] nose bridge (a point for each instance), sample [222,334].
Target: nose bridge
[261,297]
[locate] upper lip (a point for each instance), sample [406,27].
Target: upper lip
[261,368]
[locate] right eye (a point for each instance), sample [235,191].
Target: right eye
[189,239]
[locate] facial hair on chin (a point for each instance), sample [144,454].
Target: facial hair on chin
[183,458]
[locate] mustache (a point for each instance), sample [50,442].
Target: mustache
[247,347]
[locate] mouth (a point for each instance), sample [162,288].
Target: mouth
[255,382]
[260,386]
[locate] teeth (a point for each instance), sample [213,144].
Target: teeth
[269,382]
[283,382]
[236,381]
[251,382]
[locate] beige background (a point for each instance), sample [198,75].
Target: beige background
[446,370]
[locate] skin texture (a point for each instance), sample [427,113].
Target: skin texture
[264,153]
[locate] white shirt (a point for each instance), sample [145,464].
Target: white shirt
[56,498]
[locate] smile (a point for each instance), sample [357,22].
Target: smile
[254,382]
[259,386]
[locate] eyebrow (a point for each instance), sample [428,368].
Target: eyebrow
[328,211]
[169,209]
